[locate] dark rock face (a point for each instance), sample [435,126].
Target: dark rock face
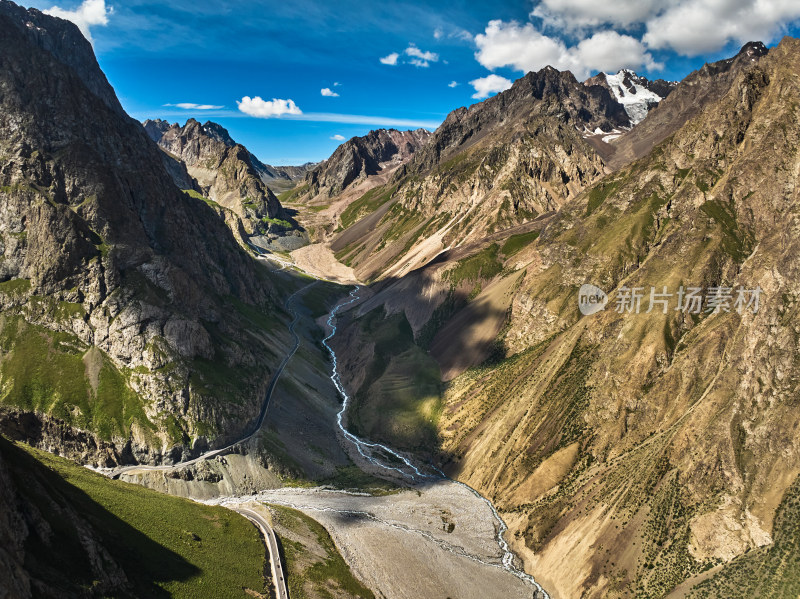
[14,580]
[105,260]
[156,129]
[63,40]
[360,157]
[48,541]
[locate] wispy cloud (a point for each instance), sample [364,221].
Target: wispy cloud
[453,84]
[287,110]
[452,33]
[326,91]
[358,119]
[193,106]
[88,14]
[338,137]
[391,59]
[264,109]
[417,57]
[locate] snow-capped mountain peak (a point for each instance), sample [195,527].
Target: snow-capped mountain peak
[637,94]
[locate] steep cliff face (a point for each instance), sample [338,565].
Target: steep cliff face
[124,299]
[276,178]
[222,168]
[361,157]
[235,181]
[545,93]
[630,450]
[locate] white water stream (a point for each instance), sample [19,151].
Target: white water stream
[368,449]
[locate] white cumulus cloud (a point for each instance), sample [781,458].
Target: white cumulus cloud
[453,84]
[525,48]
[689,27]
[420,58]
[88,14]
[700,26]
[193,106]
[391,59]
[491,84]
[326,91]
[261,108]
[338,137]
[578,14]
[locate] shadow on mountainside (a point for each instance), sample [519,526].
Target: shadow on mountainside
[71,543]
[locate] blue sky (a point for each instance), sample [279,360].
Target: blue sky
[402,64]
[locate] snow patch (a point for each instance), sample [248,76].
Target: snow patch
[636,102]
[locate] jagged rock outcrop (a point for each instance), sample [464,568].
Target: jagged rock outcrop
[361,157]
[222,168]
[230,176]
[274,177]
[124,300]
[545,93]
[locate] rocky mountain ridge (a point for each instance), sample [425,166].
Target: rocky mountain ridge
[696,91]
[544,93]
[496,164]
[276,178]
[230,176]
[360,157]
[135,291]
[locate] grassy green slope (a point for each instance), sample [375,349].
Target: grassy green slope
[165,545]
[399,401]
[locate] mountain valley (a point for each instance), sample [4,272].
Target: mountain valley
[388,356]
